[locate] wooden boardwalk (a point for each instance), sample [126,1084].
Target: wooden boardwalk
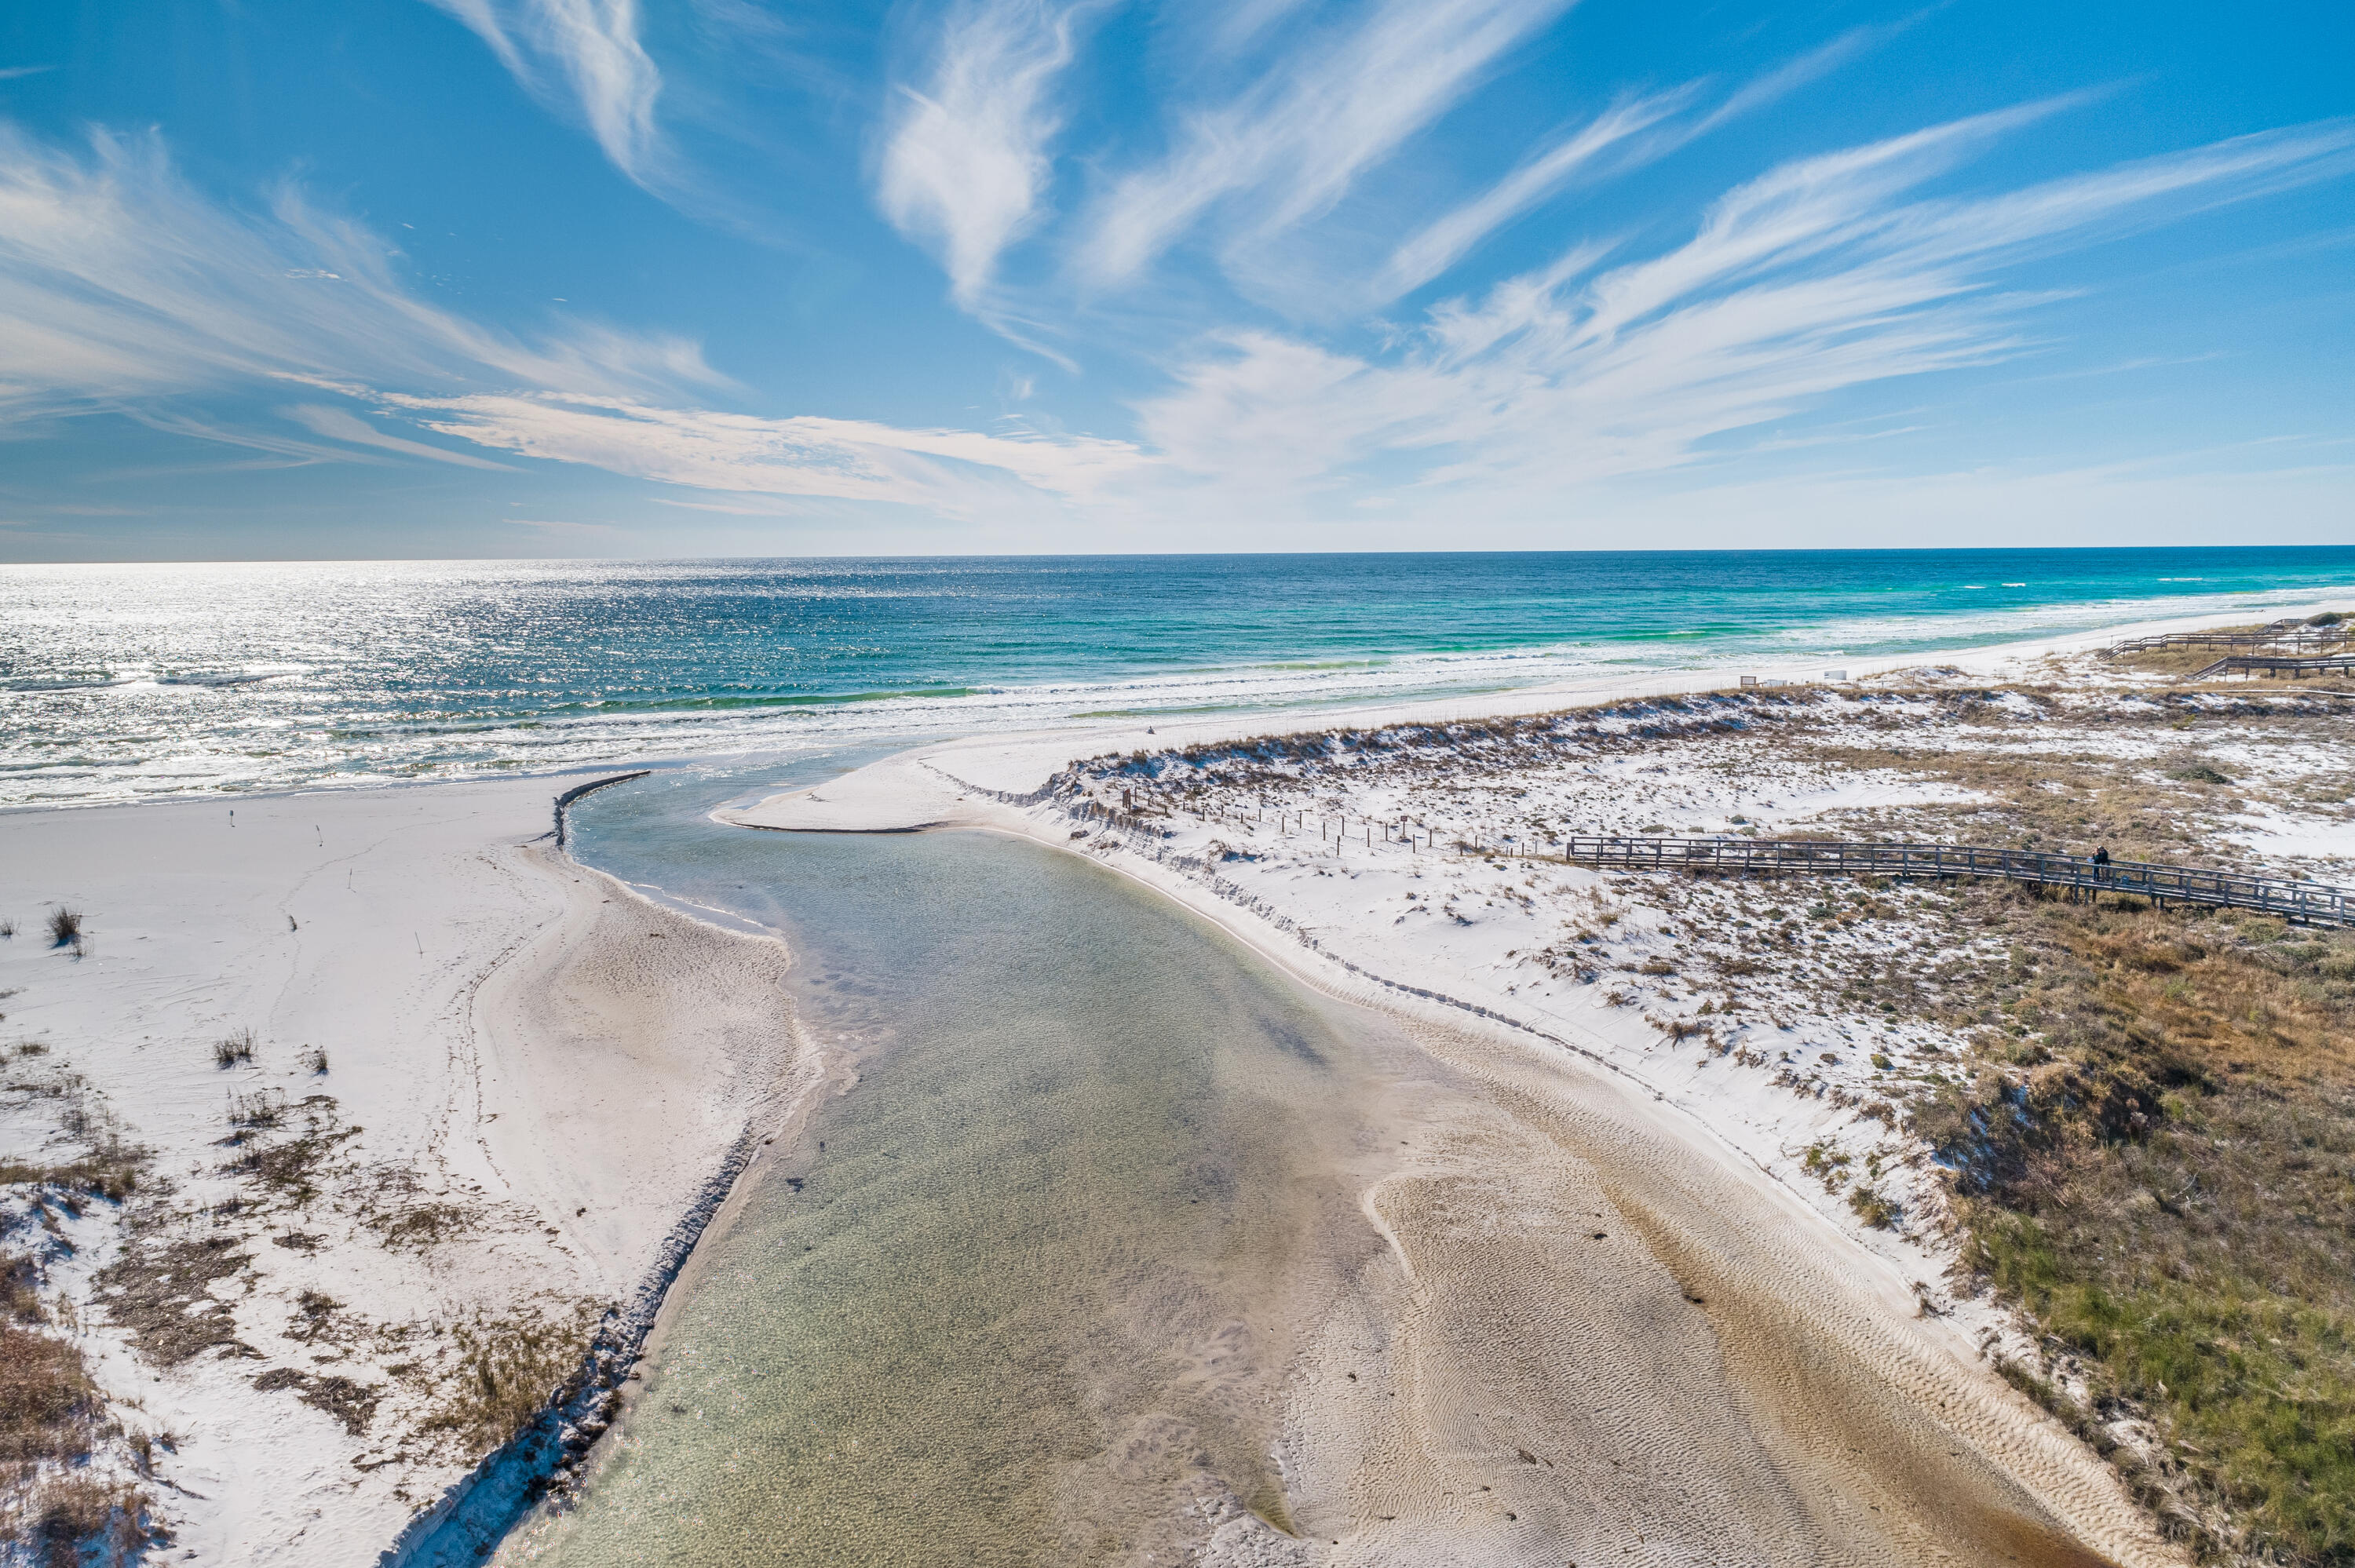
[2296,666]
[2290,637]
[2312,903]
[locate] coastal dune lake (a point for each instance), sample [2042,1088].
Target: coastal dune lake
[1106,1242]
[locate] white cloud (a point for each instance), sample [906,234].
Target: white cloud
[1442,243]
[1816,277]
[123,290]
[965,166]
[582,55]
[117,280]
[953,471]
[1620,133]
[1816,63]
[338,425]
[1292,143]
[292,452]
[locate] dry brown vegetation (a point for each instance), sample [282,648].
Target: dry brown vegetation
[2152,1159]
[48,1407]
[67,1519]
[110,1171]
[509,1367]
[160,1289]
[353,1403]
[231,1050]
[53,1502]
[2151,1150]
[287,1171]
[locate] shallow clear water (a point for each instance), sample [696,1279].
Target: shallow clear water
[118,683]
[1021,1290]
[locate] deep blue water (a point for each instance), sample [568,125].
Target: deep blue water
[122,681]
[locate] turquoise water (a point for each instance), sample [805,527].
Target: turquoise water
[118,682]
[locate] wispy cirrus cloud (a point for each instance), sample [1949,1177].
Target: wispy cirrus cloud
[123,290]
[1445,241]
[948,470]
[1813,65]
[342,425]
[119,281]
[1822,274]
[1294,142]
[1637,130]
[964,165]
[583,57]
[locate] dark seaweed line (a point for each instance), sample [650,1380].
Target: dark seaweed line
[564,801]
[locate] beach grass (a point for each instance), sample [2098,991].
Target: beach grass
[2154,1156]
[508,1365]
[2161,1174]
[54,1506]
[230,1050]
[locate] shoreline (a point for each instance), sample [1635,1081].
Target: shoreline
[1491,702]
[892,793]
[2112,730]
[2105,1517]
[444,1013]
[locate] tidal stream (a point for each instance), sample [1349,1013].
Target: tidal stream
[1073,1260]
[1022,1286]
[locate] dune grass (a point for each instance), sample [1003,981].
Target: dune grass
[507,1368]
[54,1508]
[2155,1160]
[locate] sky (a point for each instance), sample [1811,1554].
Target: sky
[641,278]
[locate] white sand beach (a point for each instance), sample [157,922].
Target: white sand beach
[529,1077]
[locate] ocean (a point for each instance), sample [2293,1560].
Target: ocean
[121,682]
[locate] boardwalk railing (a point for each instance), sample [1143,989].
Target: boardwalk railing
[2312,902]
[2281,635]
[2295,666]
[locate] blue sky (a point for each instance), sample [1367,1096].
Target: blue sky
[436,277]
